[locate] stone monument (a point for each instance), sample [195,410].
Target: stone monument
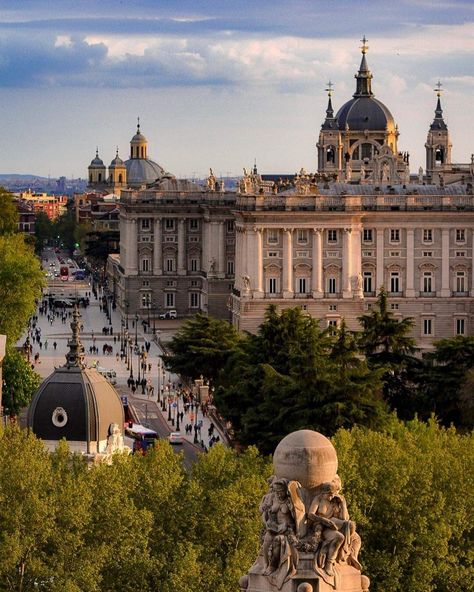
[309,543]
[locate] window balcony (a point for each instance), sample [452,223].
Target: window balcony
[463,293]
[370,294]
[428,294]
[395,294]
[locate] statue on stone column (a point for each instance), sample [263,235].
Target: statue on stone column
[385,173]
[246,283]
[420,175]
[348,171]
[309,539]
[362,172]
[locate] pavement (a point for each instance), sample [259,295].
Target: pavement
[94,320]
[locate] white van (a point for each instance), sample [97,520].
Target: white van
[110,375]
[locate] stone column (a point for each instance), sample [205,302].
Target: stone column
[221,250]
[157,249]
[356,263]
[380,259]
[317,271]
[346,264]
[206,246]
[445,283]
[259,264]
[288,291]
[472,266]
[132,247]
[181,247]
[410,259]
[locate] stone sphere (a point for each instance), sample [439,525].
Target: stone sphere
[305,456]
[305,587]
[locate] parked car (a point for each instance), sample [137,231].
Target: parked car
[175,438]
[169,314]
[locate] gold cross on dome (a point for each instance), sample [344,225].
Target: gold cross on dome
[329,88]
[438,90]
[364,46]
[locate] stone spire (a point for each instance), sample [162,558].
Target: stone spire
[75,355]
[364,76]
[438,121]
[330,121]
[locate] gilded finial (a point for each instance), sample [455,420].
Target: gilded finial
[438,90]
[138,125]
[329,88]
[364,46]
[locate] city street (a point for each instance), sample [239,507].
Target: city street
[102,343]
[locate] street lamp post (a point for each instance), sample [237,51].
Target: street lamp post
[154,315]
[177,413]
[136,329]
[138,364]
[196,441]
[159,382]
[169,407]
[130,357]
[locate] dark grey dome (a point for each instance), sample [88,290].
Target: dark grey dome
[76,404]
[364,113]
[143,171]
[117,161]
[97,162]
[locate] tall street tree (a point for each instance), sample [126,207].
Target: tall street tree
[8,213]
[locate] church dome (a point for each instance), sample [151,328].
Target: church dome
[364,113]
[117,162]
[143,171]
[75,403]
[96,162]
[139,137]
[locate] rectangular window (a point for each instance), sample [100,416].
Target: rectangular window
[169,264]
[460,281]
[272,254]
[394,282]
[194,299]
[367,281]
[272,236]
[427,282]
[303,254]
[367,253]
[145,265]
[194,264]
[427,235]
[302,236]
[394,306]
[145,223]
[332,323]
[332,235]
[230,267]
[169,239]
[230,226]
[332,285]
[146,300]
[368,236]
[460,235]
[394,235]
[145,283]
[427,326]
[193,224]
[394,253]
[333,307]
[460,326]
[169,224]
[460,253]
[302,285]
[169,299]
[427,253]
[272,285]
[192,239]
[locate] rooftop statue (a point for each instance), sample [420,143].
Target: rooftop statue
[309,542]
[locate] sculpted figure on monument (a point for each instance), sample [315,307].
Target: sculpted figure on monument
[211,181]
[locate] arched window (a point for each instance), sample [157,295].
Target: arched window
[120,179]
[330,154]
[99,177]
[439,155]
[90,178]
[366,150]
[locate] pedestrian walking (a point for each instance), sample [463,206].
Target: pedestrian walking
[55,345]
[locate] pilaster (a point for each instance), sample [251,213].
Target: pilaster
[380,247]
[346,264]
[288,291]
[181,247]
[157,249]
[445,289]
[410,259]
[317,270]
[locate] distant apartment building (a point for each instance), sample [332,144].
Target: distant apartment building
[26,216]
[52,205]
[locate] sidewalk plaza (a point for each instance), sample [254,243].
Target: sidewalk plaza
[130,357]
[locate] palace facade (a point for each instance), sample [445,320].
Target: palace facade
[326,241]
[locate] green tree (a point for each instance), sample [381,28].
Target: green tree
[446,378]
[21,282]
[201,346]
[8,213]
[409,490]
[20,381]
[64,227]
[43,230]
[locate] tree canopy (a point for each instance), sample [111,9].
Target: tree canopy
[21,282]
[8,213]
[144,523]
[20,381]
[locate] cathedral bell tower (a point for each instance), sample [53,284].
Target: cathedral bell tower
[329,144]
[97,172]
[117,174]
[438,144]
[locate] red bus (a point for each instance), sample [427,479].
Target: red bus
[64,273]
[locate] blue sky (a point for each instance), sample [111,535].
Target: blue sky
[219,83]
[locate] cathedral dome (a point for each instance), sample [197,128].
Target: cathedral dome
[364,113]
[117,161]
[75,403]
[143,171]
